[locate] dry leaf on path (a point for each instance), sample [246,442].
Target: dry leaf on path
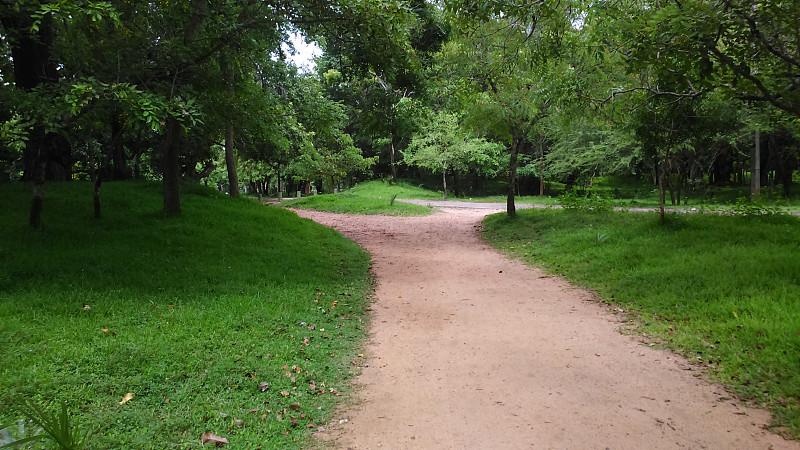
[127,398]
[208,436]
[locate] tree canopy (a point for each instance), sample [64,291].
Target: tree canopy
[568,90]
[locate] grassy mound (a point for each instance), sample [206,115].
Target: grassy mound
[370,197]
[232,312]
[722,290]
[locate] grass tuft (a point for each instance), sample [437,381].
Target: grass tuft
[235,318]
[724,290]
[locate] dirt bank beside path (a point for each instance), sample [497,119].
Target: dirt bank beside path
[469,349]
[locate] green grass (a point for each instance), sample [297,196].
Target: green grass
[375,197]
[721,290]
[358,203]
[384,189]
[630,191]
[191,314]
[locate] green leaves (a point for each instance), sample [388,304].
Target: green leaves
[443,146]
[56,427]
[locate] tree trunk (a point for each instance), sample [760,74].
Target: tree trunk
[540,141]
[280,184]
[755,171]
[35,219]
[661,194]
[444,180]
[30,54]
[230,162]
[511,208]
[392,156]
[97,183]
[172,196]
[119,160]
[230,158]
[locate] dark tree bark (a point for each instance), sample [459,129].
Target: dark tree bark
[755,170]
[444,181]
[119,161]
[540,143]
[660,174]
[230,158]
[393,162]
[33,67]
[511,208]
[172,196]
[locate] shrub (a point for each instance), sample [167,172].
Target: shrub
[591,201]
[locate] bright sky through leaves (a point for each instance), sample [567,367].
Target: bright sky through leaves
[303,53]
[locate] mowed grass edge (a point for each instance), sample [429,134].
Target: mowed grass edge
[235,318]
[723,291]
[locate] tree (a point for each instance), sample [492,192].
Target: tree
[509,81]
[444,147]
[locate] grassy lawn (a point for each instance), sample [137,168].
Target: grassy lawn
[724,291]
[369,197]
[347,203]
[191,314]
[384,189]
[634,192]
[373,197]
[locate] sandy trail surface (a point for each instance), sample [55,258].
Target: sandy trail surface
[470,349]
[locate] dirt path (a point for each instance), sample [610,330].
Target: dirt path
[469,349]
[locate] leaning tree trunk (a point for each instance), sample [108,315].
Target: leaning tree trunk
[172,196]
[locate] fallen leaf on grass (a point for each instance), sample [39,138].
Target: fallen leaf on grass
[87,307]
[295,407]
[312,386]
[285,393]
[263,386]
[250,375]
[208,436]
[127,397]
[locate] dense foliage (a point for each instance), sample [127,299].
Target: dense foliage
[687,97]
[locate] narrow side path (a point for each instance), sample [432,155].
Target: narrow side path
[469,349]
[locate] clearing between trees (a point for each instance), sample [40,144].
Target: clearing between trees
[470,349]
